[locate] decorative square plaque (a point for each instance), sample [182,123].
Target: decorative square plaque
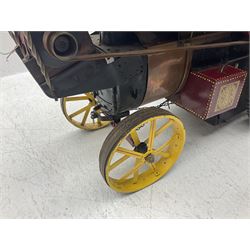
[226,96]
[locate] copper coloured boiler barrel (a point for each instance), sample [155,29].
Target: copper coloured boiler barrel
[166,73]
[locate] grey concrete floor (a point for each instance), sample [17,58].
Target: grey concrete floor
[49,169]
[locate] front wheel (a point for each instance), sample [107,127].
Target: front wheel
[77,110]
[141,149]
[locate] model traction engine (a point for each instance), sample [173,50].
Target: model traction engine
[106,75]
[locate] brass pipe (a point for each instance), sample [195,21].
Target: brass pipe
[151,51]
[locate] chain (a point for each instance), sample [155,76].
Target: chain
[166,103]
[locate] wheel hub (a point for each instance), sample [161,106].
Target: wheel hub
[150,158]
[141,148]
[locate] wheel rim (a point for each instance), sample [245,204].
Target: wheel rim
[147,164]
[77,110]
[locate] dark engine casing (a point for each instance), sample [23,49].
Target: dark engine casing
[130,94]
[71,78]
[126,82]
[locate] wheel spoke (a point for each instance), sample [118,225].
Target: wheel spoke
[90,97]
[151,135]
[153,167]
[163,154]
[99,122]
[135,138]
[162,147]
[136,173]
[163,127]
[160,130]
[118,162]
[128,152]
[137,166]
[78,112]
[75,98]
[84,119]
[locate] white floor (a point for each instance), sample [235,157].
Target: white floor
[49,169]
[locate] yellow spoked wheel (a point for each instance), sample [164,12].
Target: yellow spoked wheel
[141,149]
[77,110]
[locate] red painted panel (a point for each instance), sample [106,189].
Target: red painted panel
[212,91]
